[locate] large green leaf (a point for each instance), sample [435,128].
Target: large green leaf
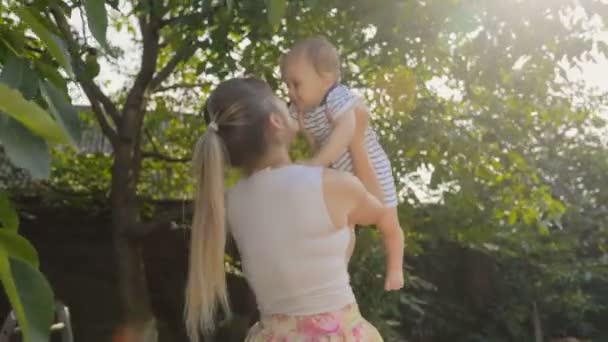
[53,43]
[12,72]
[51,73]
[8,215]
[16,246]
[10,288]
[24,149]
[97,18]
[37,299]
[9,45]
[31,115]
[276,11]
[17,74]
[62,109]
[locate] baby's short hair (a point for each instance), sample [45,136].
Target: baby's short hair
[319,52]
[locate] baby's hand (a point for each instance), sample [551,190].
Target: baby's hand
[301,121]
[394,280]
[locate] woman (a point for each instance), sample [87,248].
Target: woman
[290,223]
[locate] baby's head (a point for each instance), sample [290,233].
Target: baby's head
[309,70]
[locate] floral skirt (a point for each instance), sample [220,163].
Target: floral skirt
[345,325]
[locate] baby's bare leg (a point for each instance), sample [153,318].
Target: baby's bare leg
[392,236]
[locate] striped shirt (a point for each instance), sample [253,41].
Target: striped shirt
[341,101]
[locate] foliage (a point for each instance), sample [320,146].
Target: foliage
[35,111]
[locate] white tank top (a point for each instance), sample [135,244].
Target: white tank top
[292,255]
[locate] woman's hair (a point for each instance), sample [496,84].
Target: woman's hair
[323,56]
[237,113]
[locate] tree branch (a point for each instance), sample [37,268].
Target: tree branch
[103,122]
[92,91]
[181,86]
[133,111]
[162,157]
[149,136]
[183,54]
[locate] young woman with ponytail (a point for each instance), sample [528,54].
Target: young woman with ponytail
[290,223]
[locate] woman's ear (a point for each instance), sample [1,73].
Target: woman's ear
[280,128]
[275,121]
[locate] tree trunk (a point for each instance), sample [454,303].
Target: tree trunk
[138,316]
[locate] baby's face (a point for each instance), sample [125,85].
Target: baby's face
[306,87]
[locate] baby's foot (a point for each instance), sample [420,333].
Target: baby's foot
[394,281]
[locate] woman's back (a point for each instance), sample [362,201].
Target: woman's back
[292,254]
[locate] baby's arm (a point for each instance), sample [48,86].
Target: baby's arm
[392,234]
[371,211]
[361,162]
[309,138]
[343,129]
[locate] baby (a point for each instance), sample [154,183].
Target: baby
[333,120]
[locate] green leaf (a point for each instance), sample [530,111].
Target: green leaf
[16,41]
[12,72]
[16,246]
[8,214]
[512,217]
[530,215]
[24,149]
[97,18]
[37,299]
[10,288]
[543,229]
[276,11]
[53,43]
[31,115]
[51,73]
[17,74]
[65,114]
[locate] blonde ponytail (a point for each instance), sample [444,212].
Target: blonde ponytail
[206,286]
[237,112]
